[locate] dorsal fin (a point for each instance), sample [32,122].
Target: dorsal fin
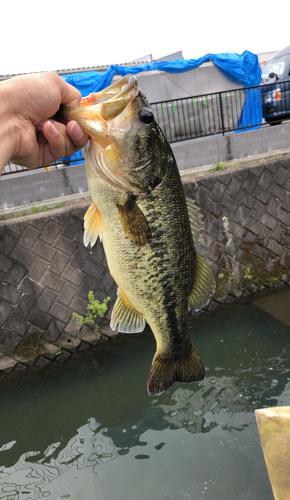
[204,285]
[195,219]
[93,225]
[124,317]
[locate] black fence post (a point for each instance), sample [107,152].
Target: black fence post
[222,113]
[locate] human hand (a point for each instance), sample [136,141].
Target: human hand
[29,137]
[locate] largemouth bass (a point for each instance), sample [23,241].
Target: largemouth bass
[148,229]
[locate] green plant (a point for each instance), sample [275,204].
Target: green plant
[221,166]
[95,309]
[45,208]
[34,210]
[59,205]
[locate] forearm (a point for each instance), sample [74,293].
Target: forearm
[8,134]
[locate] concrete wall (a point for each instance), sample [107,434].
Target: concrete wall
[46,272]
[195,153]
[162,86]
[41,185]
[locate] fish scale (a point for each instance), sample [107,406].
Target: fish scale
[148,229]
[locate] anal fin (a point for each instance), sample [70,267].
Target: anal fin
[93,225]
[125,318]
[204,285]
[134,223]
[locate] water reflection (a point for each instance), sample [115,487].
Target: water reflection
[194,441]
[87,448]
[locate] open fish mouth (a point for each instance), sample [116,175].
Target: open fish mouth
[113,100]
[99,108]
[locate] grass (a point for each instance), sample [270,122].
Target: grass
[95,310]
[219,167]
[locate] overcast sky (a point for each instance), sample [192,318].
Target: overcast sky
[61,34]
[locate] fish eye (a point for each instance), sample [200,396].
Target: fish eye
[146,116]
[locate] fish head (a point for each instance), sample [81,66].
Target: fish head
[127,146]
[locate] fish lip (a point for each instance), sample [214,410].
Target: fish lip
[113,92]
[113,100]
[97,110]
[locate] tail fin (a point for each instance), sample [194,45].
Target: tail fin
[165,371]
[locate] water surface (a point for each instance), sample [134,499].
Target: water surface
[86,429]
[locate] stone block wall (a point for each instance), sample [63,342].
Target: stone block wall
[46,272]
[246,230]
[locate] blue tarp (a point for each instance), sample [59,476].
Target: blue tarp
[242,69]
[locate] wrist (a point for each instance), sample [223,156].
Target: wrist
[8,136]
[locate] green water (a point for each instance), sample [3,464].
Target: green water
[87,429]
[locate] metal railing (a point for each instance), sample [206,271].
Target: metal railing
[223,112]
[212,114]
[203,115]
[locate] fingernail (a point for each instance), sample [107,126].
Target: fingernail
[52,129]
[76,132]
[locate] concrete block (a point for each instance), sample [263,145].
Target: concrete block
[253,225]
[50,231]
[43,250]
[64,244]
[79,257]
[58,262]
[281,175]
[275,247]
[31,287]
[5,308]
[70,228]
[54,330]
[7,241]
[37,269]
[53,281]
[9,293]
[46,299]
[265,180]
[286,202]
[93,269]
[16,325]
[72,274]
[284,217]
[39,318]
[16,274]
[5,263]
[66,294]
[60,312]
[28,237]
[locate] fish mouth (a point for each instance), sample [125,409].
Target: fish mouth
[99,108]
[107,117]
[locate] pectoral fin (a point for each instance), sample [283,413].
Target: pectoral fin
[195,219]
[134,223]
[204,285]
[125,317]
[93,225]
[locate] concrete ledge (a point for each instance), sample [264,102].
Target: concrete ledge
[207,151]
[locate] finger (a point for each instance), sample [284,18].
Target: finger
[54,141]
[77,134]
[69,94]
[59,143]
